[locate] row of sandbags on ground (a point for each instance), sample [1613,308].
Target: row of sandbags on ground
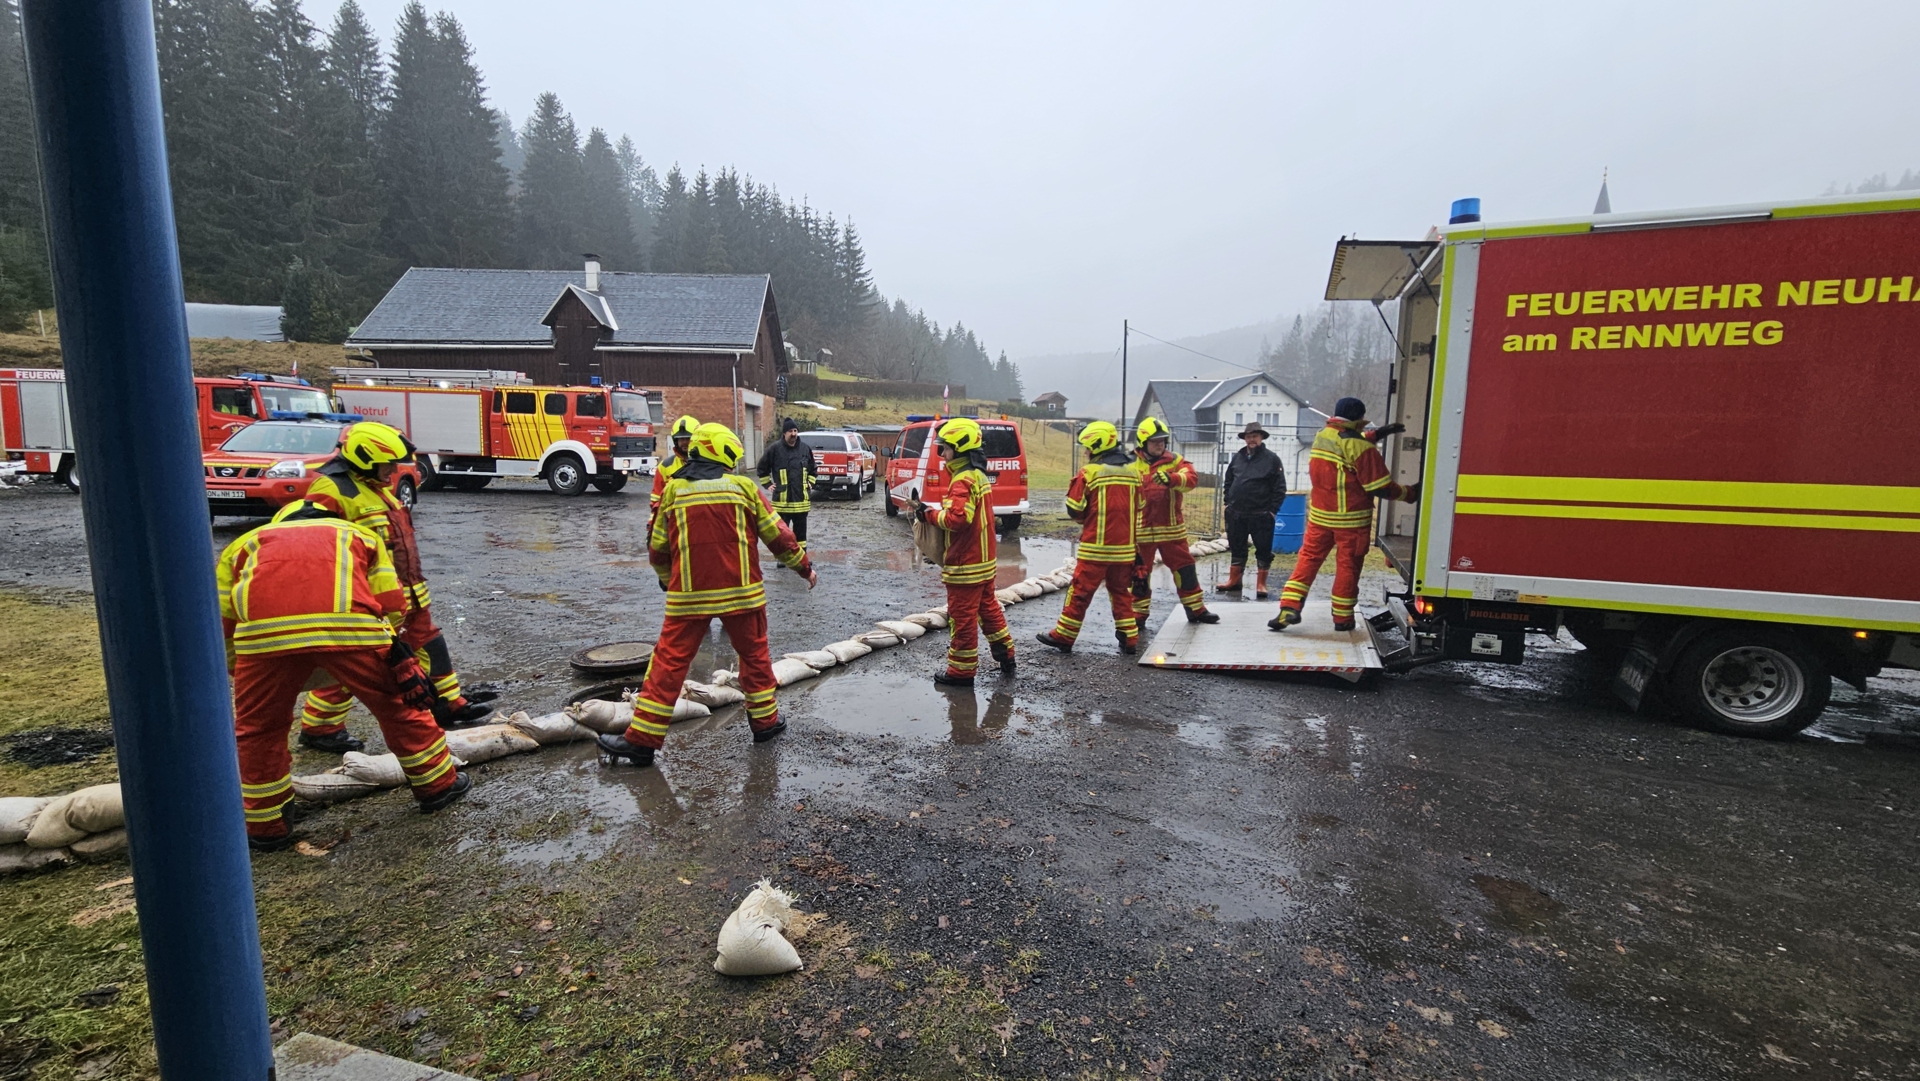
[38,831]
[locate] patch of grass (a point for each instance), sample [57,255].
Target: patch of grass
[211,356]
[59,942]
[50,674]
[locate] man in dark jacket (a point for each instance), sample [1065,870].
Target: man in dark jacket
[1255,486]
[789,465]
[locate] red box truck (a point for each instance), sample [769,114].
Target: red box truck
[1681,436]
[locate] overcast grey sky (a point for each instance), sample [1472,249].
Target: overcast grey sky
[1042,170]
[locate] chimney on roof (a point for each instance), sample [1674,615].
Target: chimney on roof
[593,273]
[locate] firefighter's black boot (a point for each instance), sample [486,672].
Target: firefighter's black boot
[333,742]
[1287,618]
[467,715]
[1201,615]
[270,844]
[761,735]
[941,679]
[1005,657]
[462,784]
[616,746]
[1046,638]
[1126,644]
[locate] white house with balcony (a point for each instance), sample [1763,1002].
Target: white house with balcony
[1206,417]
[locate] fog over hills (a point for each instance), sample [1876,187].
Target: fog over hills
[1091,380]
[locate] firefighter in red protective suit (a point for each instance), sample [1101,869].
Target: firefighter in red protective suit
[702,546]
[1348,475]
[663,472]
[1164,478]
[1104,498]
[359,481]
[972,555]
[309,591]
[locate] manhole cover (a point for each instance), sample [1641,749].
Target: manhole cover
[612,657]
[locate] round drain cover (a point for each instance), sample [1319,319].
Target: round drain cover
[610,692]
[610,657]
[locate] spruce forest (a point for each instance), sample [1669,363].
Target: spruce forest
[311,167]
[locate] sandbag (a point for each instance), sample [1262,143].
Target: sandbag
[16,859]
[332,787]
[849,650]
[686,709]
[1027,590]
[725,677]
[602,715]
[16,816]
[488,742]
[711,695]
[550,728]
[940,611]
[923,619]
[1008,596]
[878,639]
[901,629]
[379,770]
[752,942]
[96,809]
[1047,585]
[51,828]
[96,845]
[787,671]
[939,619]
[815,658]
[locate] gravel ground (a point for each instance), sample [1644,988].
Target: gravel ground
[1470,870]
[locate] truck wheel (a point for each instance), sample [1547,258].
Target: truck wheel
[859,486]
[1008,523]
[566,476]
[886,500]
[1751,682]
[406,491]
[68,473]
[469,484]
[610,485]
[430,478]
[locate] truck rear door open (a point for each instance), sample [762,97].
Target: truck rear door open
[1405,274]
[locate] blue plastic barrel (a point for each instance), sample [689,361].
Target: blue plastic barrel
[1290,524]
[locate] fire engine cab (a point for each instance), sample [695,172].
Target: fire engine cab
[472,426]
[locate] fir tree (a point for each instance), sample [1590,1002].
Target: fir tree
[548,212]
[311,307]
[439,163]
[643,200]
[353,65]
[26,283]
[673,228]
[606,219]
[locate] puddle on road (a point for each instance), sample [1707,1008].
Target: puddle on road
[1518,905]
[908,705]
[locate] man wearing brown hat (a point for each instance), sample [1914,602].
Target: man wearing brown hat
[1255,486]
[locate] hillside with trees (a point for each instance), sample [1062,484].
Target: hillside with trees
[312,167]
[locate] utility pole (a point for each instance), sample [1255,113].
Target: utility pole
[1125,330]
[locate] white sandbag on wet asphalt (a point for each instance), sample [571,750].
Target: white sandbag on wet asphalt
[787,671]
[16,816]
[551,728]
[379,770]
[753,940]
[711,695]
[901,629]
[488,742]
[815,658]
[849,650]
[878,639]
[332,787]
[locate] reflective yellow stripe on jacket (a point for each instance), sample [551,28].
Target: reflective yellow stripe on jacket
[1329,447]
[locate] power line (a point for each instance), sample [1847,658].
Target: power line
[1197,352]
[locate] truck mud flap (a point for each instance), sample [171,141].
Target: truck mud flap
[1631,682]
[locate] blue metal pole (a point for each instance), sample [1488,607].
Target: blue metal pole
[123,332]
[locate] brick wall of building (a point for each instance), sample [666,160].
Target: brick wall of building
[716,404]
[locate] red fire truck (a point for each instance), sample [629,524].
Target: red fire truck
[36,431]
[1680,436]
[914,470]
[473,426]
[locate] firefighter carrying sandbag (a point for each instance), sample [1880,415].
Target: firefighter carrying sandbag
[702,544]
[1348,474]
[682,434]
[1104,498]
[972,556]
[311,590]
[359,480]
[1165,478]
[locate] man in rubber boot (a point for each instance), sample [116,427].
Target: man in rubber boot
[972,555]
[311,590]
[1165,477]
[663,472]
[359,480]
[1255,486]
[1348,475]
[789,465]
[702,545]
[1105,499]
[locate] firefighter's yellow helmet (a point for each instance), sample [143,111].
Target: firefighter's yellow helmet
[1099,437]
[717,443]
[962,434]
[684,427]
[1152,428]
[369,444]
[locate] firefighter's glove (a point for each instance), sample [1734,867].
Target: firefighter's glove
[1413,492]
[1382,432]
[663,583]
[414,689]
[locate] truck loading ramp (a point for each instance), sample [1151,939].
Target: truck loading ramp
[1241,642]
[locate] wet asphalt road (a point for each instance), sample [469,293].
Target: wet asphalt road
[1464,871]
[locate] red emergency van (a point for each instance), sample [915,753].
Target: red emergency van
[1679,435]
[914,470]
[844,463]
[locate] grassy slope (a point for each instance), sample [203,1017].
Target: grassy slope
[211,356]
[50,675]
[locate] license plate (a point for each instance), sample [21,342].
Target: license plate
[225,493]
